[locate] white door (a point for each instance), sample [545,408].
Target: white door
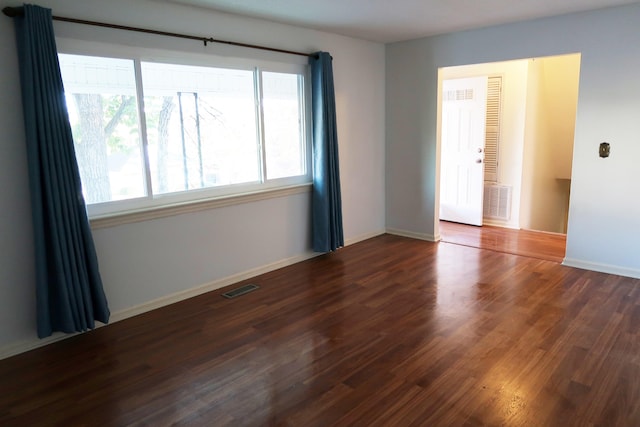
[464,103]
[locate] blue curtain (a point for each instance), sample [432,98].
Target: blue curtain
[69,289]
[326,204]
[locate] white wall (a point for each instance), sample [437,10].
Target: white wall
[514,95]
[604,231]
[561,83]
[535,142]
[146,261]
[551,112]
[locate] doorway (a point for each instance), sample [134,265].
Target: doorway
[532,178]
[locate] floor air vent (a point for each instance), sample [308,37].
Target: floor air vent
[240,291]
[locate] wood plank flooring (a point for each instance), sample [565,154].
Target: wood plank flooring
[536,244]
[388,332]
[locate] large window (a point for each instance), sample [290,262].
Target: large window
[156,133]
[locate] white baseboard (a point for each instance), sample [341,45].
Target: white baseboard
[496,223]
[413,235]
[363,237]
[31,344]
[26,345]
[207,287]
[602,268]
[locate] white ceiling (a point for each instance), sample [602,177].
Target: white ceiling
[396,20]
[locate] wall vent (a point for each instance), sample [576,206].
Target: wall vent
[497,201]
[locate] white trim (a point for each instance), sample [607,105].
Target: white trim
[208,287]
[151,201]
[121,218]
[31,344]
[220,283]
[413,235]
[243,58]
[551,233]
[26,345]
[602,268]
[498,223]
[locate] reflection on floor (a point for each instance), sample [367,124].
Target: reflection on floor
[390,331]
[547,246]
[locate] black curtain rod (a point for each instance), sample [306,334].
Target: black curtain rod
[13,12]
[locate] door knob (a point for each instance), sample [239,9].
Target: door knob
[478,160]
[479,150]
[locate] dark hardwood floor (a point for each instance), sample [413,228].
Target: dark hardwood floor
[536,244]
[388,332]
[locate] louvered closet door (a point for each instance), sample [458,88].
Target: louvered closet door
[462,149]
[494,98]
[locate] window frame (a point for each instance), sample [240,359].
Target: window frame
[209,197]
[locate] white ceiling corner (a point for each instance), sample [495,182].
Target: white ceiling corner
[389,21]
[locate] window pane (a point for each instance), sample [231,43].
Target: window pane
[101,99]
[284,134]
[201,126]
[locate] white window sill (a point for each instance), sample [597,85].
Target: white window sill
[120,218]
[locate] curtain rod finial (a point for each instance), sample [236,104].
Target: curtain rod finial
[12,12]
